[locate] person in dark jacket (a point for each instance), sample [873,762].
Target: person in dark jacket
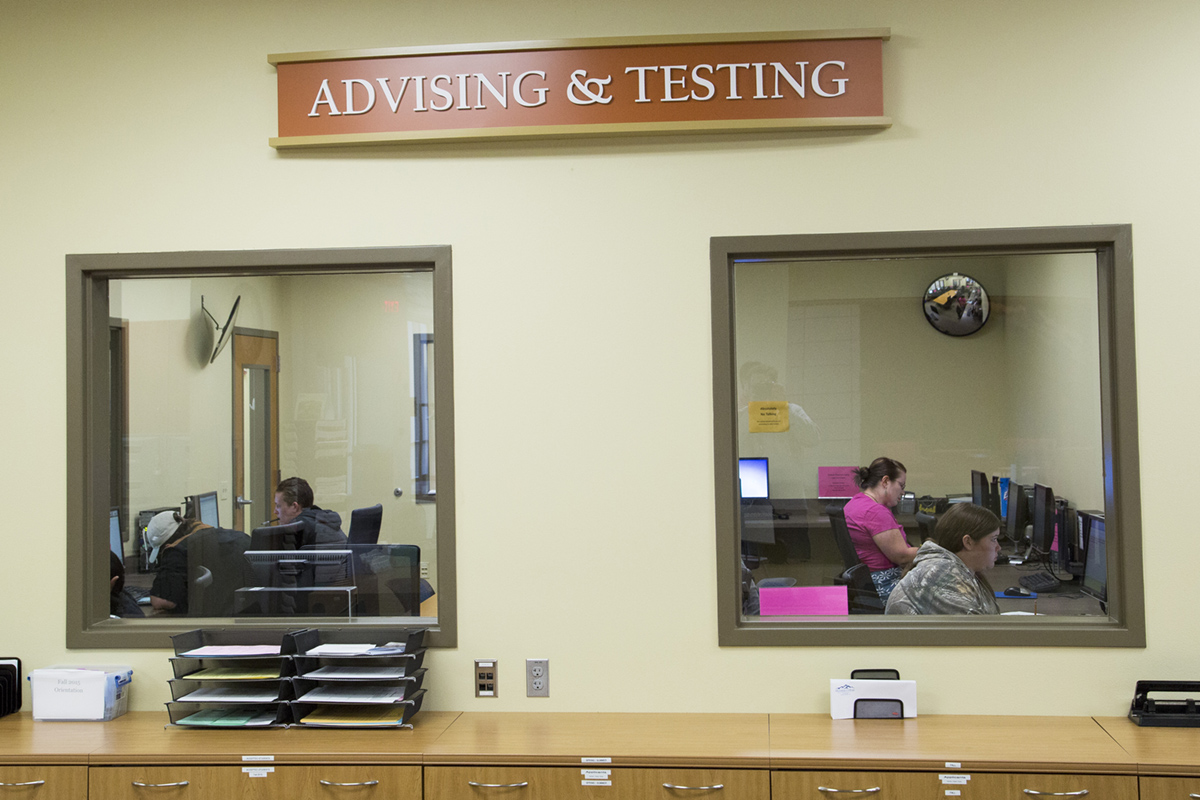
[192,558]
[294,503]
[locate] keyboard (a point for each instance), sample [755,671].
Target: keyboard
[1040,582]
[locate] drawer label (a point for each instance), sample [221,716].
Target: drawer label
[595,783]
[954,764]
[596,760]
[953,792]
[258,758]
[596,774]
[960,780]
[257,772]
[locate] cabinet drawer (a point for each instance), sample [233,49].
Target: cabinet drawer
[950,784]
[43,783]
[1166,788]
[578,783]
[243,782]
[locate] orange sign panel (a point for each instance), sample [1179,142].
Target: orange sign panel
[601,86]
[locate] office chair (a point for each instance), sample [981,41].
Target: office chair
[864,599]
[198,593]
[365,524]
[927,523]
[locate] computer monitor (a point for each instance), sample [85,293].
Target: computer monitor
[277,537]
[1043,519]
[979,488]
[753,478]
[1095,563]
[993,501]
[1018,514]
[114,534]
[206,505]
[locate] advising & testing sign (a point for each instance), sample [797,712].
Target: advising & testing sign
[831,79]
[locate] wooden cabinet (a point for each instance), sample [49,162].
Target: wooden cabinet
[1170,788]
[594,782]
[43,783]
[255,782]
[952,784]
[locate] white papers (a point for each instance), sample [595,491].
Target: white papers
[354,693]
[233,694]
[355,673]
[340,649]
[233,650]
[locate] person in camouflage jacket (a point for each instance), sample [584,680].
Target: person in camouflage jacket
[947,574]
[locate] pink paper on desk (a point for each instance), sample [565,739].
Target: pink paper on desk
[803,601]
[836,482]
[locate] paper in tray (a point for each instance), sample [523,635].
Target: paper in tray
[355,717]
[229,718]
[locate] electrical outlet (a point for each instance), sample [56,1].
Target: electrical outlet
[537,677]
[485,677]
[425,570]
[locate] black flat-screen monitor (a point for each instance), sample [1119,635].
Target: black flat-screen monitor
[1095,564]
[753,478]
[1018,513]
[277,537]
[206,509]
[1043,519]
[979,488]
[114,534]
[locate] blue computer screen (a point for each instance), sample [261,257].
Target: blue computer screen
[752,476]
[208,509]
[114,534]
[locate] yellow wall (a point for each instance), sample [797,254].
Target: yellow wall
[581,300]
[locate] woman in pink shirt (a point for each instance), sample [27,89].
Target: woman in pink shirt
[877,536]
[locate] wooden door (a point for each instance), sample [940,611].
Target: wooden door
[255,427]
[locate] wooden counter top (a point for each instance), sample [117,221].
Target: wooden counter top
[1157,751]
[680,740]
[23,741]
[976,744]
[143,737]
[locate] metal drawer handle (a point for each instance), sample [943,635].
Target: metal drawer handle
[498,785]
[158,785]
[1080,793]
[1194,796]
[364,783]
[28,783]
[694,788]
[827,790]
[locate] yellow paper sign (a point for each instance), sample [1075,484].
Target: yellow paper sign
[769,416]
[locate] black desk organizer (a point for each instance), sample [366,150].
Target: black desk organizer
[190,676]
[396,682]
[1147,711]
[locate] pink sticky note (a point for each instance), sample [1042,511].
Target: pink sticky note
[836,482]
[803,601]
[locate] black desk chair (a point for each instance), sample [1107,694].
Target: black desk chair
[864,599]
[365,524]
[927,523]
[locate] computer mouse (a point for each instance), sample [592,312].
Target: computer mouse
[1017,591]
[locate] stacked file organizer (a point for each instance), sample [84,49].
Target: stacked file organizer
[340,681]
[230,678]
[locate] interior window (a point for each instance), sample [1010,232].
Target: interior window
[994,367]
[236,375]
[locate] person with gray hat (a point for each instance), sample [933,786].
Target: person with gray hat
[187,552]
